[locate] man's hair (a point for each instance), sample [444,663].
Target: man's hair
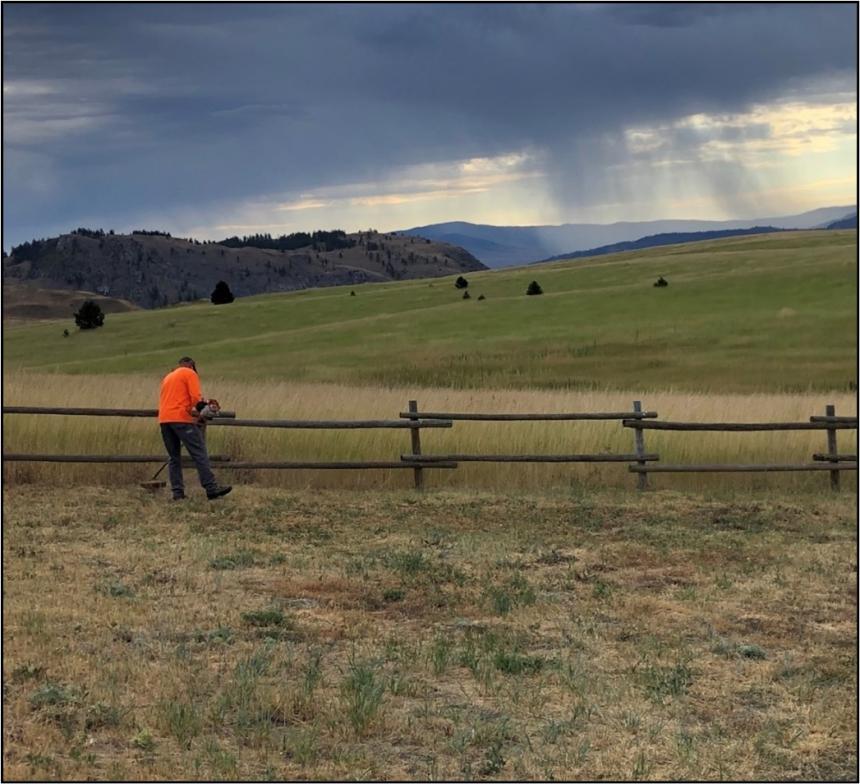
[188,361]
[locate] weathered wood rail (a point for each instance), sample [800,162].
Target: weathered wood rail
[585,458]
[33,458]
[344,424]
[742,427]
[739,468]
[339,465]
[526,417]
[104,412]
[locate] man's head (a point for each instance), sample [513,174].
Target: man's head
[187,362]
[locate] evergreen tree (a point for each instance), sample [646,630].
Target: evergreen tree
[534,288]
[89,316]
[221,295]
[461,283]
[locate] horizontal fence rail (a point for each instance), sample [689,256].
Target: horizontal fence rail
[346,424]
[836,458]
[120,412]
[335,464]
[17,458]
[845,419]
[729,468]
[465,417]
[739,426]
[591,458]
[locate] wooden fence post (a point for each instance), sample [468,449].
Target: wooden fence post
[415,432]
[831,448]
[639,443]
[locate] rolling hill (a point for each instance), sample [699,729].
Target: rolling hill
[152,269]
[502,246]
[26,302]
[747,314]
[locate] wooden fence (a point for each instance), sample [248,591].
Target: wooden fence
[829,422]
[228,419]
[414,415]
[641,462]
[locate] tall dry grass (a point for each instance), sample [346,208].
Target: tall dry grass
[279,399]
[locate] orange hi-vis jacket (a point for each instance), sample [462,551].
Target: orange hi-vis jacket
[180,391]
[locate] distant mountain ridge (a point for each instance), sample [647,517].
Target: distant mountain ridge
[848,222]
[656,240]
[502,246]
[152,269]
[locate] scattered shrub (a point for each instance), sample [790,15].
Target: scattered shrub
[660,682]
[115,589]
[461,283]
[27,671]
[238,560]
[534,289]
[102,715]
[393,594]
[362,692]
[515,592]
[51,694]
[143,741]
[517,663]
[751,651]
[271,617]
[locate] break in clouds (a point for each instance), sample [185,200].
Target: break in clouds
[207,115]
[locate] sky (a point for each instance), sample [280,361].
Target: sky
[210,120]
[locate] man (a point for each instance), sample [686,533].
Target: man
[179,414]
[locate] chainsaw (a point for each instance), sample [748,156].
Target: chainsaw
[206,410]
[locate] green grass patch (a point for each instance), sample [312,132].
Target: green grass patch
[772,313]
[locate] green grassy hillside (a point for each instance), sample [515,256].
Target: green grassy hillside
[769,313]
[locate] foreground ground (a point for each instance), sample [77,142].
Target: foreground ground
[348,635]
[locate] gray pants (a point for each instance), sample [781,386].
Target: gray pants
[177,434]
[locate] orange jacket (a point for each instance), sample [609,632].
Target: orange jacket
[180,392]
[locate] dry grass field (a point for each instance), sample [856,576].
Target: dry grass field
[294,400]
[305,635]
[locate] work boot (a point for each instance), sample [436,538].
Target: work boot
[179,497]
[218,492]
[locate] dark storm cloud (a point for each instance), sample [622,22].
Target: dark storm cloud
[115,111]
